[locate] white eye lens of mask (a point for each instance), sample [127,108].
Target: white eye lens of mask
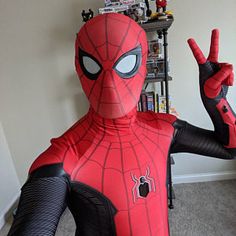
[127,64]
[90,65]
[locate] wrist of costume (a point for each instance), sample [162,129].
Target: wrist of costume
[217,106]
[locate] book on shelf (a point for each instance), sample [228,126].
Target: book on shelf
[146,102]
[162,105]
[150,101]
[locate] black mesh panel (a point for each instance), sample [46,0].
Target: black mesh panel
[42,202]
[189,138]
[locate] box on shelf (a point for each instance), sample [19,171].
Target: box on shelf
[155,49]
[156,68]
[135,9]
[161,105]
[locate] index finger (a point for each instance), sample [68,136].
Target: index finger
[200,58]
[214,49]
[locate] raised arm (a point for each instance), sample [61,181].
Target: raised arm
[192,139]
[214,80]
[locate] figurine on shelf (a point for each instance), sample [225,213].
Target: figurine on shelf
[137,12]
[161,6]
[87,15]
[161,12]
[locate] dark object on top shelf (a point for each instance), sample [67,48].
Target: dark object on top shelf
[157,25]
[87,15]
[148,11]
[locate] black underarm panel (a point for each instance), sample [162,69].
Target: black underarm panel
[93,212]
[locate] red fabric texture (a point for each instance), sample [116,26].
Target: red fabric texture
[106,153]
[224,76]
[214,49]
[107,37]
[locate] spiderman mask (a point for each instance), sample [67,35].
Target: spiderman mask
[110,59]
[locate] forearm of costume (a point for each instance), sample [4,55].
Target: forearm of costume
[214,80]
[42,201]
[191,139]
[217,106]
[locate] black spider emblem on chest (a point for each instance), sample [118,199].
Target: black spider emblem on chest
[143,185]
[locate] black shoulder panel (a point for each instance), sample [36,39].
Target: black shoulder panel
[93,212]
[52,170]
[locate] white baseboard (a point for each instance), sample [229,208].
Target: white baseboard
[5,212]
[204,177]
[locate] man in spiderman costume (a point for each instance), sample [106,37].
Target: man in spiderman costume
[110,167]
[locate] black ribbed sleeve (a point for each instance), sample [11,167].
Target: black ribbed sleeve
[42,202]
[189,138]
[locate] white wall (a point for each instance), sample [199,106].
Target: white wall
[9,183]
[40,95]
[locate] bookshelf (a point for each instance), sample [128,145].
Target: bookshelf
[161,27]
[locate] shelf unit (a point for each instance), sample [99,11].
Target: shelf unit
[161,28]
[158,79]
[158,25]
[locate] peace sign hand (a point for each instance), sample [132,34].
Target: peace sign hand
[214,76]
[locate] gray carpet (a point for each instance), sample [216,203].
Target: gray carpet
[204,209]
[201,209]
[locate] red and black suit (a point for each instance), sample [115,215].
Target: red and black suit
[110,167]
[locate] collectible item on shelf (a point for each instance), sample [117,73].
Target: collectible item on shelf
[160,69]
[161,12]
[151,69]
[137,12]
[119,2]
[113,9]
[155,49]
[162,103]
[132,8]
[110,167]
[87,15]
[156,68]
[161,5]
[156,16]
